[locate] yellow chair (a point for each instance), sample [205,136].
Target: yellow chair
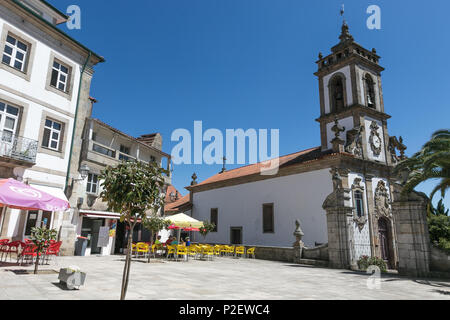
[181,251]
[251,251]
[209,252]
[193,251]
[142,248]
[217,250]
[230,250]
[170,251]
[224,250]
[240,250]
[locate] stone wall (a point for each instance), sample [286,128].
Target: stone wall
[317,253]
[413,241]
[274,253]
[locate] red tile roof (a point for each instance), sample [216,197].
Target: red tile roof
[175,207]
[284,161]
[171,189]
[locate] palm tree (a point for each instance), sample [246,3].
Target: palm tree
[431,162]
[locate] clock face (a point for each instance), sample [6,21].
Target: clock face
[376,142]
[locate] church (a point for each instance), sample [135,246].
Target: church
[355,160]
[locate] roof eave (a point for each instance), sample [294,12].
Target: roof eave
[29,11]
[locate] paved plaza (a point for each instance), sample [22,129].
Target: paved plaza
[223,278]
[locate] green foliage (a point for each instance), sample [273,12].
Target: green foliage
[155,223]
[439,229]
[132,188]
[440,209]
[365,261]
[41,238]
[207,228]
[431,162]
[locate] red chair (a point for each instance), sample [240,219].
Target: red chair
[28,251]
[53,250]
[3,247]
[11,247]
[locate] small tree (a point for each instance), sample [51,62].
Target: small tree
[132,188]
[207,228]
[440,209]
[41,238]
[154,224]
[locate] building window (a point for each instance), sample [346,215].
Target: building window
[337,94]
[31,221]
[268,218]
[37,218]
[214,218]
[124,152]
[370,91]
[8,120]
[359,203]
[60,76]
[107,152]
[15,53]
[92,183]
[152,159]
[52,134]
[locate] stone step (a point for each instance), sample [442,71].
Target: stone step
[313,262]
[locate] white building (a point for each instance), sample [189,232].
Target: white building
[45,77]
[354,162]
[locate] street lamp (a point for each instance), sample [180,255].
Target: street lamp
[84,171]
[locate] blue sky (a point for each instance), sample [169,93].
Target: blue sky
[250,64]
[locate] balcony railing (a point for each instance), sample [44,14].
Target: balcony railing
[18,148]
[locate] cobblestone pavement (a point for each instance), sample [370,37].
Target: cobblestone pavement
[223,278]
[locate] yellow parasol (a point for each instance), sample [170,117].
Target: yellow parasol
[182,220]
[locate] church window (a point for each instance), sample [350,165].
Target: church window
[359,203]
[268,218]
[370,91]
[215,218]
[337,94]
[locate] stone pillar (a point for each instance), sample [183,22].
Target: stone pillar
[413,240]
[339,225]
[67,234]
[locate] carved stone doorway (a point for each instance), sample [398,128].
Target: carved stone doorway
[384,235]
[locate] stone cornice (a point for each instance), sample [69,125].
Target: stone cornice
[351,59]
[40,23]
[351,110]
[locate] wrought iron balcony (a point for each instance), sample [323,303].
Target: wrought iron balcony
[18,148]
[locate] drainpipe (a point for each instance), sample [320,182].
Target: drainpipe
[75,120]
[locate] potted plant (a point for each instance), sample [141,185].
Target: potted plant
[72,277]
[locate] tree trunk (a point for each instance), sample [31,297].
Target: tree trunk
[126,268]
[151,244]
[36,265]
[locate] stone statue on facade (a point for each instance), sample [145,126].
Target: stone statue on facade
[394,145]
[354,141]
[382,207]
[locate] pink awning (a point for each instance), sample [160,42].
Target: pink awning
[18,195]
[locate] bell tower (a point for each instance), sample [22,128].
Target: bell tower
[352,117]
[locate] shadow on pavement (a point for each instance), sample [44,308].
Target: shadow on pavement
[62,286]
